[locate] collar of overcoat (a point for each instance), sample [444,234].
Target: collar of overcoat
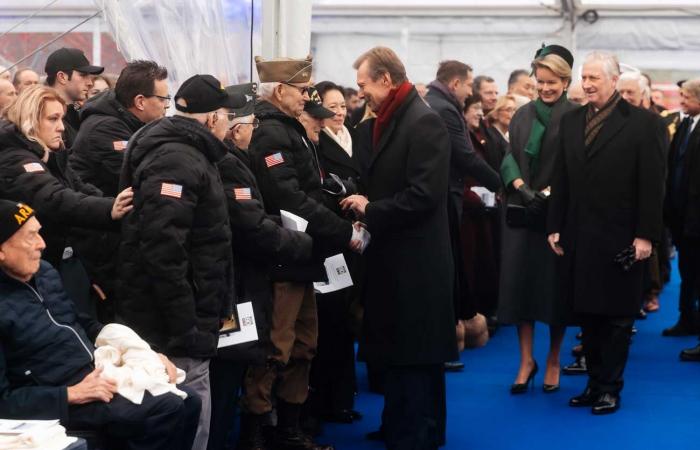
[612,126]
[391,127]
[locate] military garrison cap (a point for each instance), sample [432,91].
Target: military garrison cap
[284,70]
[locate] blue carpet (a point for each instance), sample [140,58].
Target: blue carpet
[660,401]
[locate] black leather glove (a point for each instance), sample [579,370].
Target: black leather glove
[537,205]
[526,194]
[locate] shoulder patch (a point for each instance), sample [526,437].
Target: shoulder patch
[120,146]
[242,193]
[33,167]
[274,160]
[171,190]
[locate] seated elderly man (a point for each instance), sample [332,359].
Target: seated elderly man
[46,354]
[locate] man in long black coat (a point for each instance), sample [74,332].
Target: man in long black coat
[682,212]
[449,90]
[606,197]
[409,319]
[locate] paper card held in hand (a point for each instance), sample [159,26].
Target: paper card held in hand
[338,275]
[249,331]
[292,221]
[486,196]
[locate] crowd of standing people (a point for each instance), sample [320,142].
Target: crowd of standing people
[455,210]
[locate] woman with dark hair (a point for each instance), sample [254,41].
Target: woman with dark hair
[528,280]
[332,379]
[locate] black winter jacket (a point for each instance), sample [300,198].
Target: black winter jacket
[260,243]
[98,151]
[61,200]
[175,257]
[45,346]
[289,177]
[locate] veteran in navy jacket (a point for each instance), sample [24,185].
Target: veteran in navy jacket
[46,353]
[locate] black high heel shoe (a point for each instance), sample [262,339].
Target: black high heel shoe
[549,388]
[521,388]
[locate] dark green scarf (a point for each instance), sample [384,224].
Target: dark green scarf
[510,169]
[543,115]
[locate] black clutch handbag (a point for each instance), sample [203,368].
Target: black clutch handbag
[518,216]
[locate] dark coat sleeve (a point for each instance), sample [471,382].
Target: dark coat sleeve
[463,157]
[43,192]
[94,146]
[31,402]
[255,234]
[282,183]
[651,170]
[427,169]
[165,225]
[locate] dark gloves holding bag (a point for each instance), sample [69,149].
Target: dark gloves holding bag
[533,212]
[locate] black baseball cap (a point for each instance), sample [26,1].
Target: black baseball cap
[69,59]
[249,90]
[315,106]
[12,216]
[204,93]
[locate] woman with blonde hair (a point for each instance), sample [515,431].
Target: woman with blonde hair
[34,170]
[501,114]
[527,287]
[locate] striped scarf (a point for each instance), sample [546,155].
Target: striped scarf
[596,119]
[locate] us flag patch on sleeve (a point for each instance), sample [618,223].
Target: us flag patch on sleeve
[171,190]
[274,159]
[33,167]
[120,146]
[242,193]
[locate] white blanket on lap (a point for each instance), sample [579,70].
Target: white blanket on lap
[129,360]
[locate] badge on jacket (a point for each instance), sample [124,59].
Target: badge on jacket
[274,160]
[242,193]
[171,190]
[120,146]
[33,167]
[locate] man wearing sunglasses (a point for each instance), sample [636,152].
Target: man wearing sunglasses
[108,122]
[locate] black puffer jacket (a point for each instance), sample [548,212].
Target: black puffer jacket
[45,346]
[98,151]
[61,200]
[259,244]
[175,272]
[289,178]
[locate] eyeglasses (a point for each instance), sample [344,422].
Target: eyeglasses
[166,100]
[255,123]
[302,90]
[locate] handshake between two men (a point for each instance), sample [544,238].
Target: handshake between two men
[360,236]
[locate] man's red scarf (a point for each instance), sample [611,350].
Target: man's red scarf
[395,98]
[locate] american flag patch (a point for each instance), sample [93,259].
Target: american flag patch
[242,193]
[120,146]
[33,167]
[274,160]
[171,190]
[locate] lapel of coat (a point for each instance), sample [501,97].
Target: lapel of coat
[612,126]
[333,151]
[384,140]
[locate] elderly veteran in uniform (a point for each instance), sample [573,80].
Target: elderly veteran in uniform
[605,212]
[47,366]
[259,243]
[289,178]
[175,281]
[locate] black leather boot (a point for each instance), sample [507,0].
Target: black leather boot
[288,434]
[254,430]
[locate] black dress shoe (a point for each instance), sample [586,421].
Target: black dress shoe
[587,398]
[454,366]
[577,367]
[606,404]
[679,329]
[295,439]
[691,354]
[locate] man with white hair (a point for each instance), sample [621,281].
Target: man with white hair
[632,86]
[175,280]
[605,212]
[7,93]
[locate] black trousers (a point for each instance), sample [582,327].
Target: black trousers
[226,378]
[414,416]
[164,422]
[689,269]
[606,342]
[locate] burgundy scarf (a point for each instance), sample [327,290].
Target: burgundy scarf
[395,98]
